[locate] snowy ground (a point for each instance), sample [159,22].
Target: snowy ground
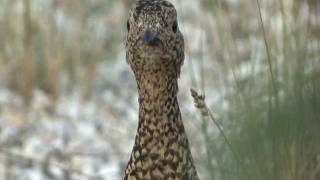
[86,137]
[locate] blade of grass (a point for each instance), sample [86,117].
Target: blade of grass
[266,46]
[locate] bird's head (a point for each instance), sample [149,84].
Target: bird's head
[153,41]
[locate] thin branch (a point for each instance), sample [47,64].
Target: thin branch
[199,101]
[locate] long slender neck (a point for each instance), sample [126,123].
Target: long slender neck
[161,148]
[157,92]
[158,105]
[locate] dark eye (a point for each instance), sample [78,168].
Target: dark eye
[128,26]
[175,26]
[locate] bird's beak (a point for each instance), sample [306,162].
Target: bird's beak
[150,37]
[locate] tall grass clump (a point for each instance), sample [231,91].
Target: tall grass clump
[56,46]
[272,119]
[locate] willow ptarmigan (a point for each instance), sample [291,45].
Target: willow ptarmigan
[155,53]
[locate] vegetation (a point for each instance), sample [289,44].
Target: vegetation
[272,115]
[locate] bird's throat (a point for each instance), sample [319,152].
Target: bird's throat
[159,111]
[157,90]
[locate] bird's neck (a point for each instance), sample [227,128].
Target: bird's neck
[158,106]
[161,146]
[157,92]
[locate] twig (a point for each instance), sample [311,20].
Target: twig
[199,101]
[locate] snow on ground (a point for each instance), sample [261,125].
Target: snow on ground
[87,136]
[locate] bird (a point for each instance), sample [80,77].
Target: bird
[155,53]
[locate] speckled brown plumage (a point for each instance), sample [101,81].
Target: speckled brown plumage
[155,53]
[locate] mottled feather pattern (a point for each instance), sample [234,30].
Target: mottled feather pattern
[161,149]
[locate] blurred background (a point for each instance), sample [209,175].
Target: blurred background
[68,100]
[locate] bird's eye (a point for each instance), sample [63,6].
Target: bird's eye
[128,26]
[175,26]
